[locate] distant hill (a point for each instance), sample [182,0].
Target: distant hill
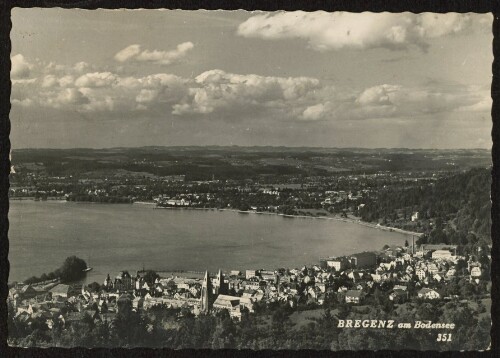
[247,162]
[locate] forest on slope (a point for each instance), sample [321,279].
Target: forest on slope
[452,210]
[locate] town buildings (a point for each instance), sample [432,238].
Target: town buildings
[400,276]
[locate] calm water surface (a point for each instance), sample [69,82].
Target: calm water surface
[114,237]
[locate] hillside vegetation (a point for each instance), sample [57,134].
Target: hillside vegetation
[452,210]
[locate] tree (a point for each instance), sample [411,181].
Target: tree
[428,311]
[342,310]
[130,328]
[328,321]
[461,266]
[467,290]
[223,334]
[150,277]
[243,207]
[479,335]
[72,269]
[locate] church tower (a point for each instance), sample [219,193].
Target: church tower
[278,284]
[206,294]
[221,286]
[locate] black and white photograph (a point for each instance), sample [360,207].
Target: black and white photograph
[216,179]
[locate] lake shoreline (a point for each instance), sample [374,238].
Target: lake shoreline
[132,237]
[347,220]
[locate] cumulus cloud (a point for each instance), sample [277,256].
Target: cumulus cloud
[66,97]
[22,102]
[52,81]
[135,54]
[53,68]
[20,67]
[378,95]
[333,31]
[81,67]
[216,90]
[96,79]
[316,112]
[397,101]
[69,87]
[49,81]
[235,96]
[161,88]
[127,53]
[24,81]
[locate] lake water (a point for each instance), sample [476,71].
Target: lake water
[114,237]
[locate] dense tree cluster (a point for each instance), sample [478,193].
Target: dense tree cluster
[99,199]
[71,270]
[270,328]
[453,210]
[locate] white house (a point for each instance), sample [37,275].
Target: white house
[337,264]
[442,254]
[428,294]
[475,271]
[354,296]
[451,272]
[421,273]
[437,277]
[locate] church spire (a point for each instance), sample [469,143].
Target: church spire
[206,294]
[221,285]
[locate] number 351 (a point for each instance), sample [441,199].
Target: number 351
[445,337]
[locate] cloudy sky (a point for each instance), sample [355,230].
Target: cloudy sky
[132,78]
